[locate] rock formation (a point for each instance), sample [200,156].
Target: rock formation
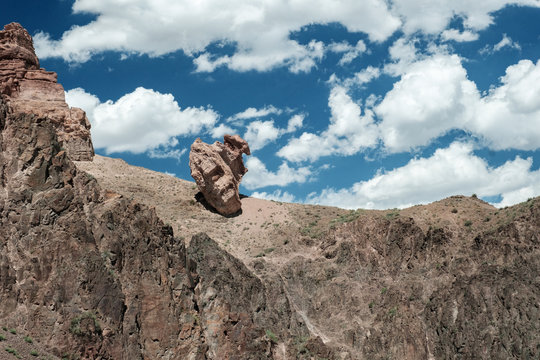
[218,170]
[29,89]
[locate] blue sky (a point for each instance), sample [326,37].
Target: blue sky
[358,104]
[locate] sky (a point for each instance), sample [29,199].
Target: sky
[353,103]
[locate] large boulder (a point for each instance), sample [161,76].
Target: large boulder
[29,89]
[218,170]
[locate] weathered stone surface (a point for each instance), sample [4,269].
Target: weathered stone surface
[218,170]
[29,89]
[94,275]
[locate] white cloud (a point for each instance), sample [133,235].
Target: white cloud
[449,171]
[456,35]
[295,123]
[258,30]
[166,153]
[350,52]
[509,116]
[260,133]
[433,16]
[349,132]
[506,42]
[220,130]
[434,96]
[259,176]
[429,100]
[277,195]
[254,113]
[364,76]
[140,121]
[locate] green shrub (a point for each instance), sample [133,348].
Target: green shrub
[34,353]
[11,351]
[28,339]
[2,338]
[270,335]
[384,290]
[13,331]
[468,223]
[454,211]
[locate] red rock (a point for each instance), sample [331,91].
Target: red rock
[29,89]
[218,170]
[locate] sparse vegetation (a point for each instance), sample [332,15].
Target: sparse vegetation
[393,311]
[394,213]
[28,339]
[371,304]
[13,331]
[383,290]
[11,351]
[2,338]
[34,353]
[467,223]
[270,335]
[75,327]
[348,217]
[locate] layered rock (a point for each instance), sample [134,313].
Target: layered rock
[218,170]
[29,89]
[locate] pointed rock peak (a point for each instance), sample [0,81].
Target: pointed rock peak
[16,44]
[28,89]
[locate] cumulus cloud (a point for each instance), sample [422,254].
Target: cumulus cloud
[259,31]
[259,176]
[260,133]
[429,100]
[434,96]
[349,132]
[459,36]
[277,195]
[425,180]
[220,130]
[141,121]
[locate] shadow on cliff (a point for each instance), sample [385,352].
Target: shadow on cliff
[199,197]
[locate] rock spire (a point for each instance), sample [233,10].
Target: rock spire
[218,170]
[29,89]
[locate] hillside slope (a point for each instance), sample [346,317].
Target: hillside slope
[457,278]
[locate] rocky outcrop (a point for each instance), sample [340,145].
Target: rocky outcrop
[94,275]
[29,89]
[218,170]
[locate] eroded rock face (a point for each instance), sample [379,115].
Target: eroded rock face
[94,275]
[218,170]
[29,89]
